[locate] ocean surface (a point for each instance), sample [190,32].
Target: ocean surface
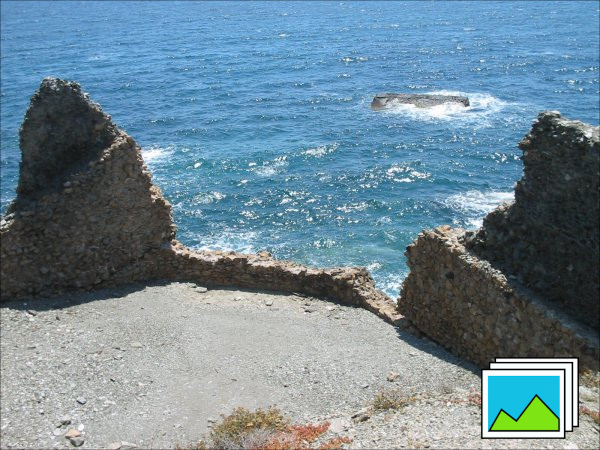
[255,117]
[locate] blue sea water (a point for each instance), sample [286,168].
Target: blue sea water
[254,116]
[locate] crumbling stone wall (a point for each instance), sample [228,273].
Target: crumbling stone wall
[526,284]
[474,310]
[549,236]
[87,216]
[86,207]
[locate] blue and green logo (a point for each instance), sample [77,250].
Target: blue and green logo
[529,398]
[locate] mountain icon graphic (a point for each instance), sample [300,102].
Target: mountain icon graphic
[535,417]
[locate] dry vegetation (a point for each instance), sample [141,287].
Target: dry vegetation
[594,415]
[266,429]
[391,399]
[590,379]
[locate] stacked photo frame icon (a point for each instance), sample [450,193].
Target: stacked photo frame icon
[529,398]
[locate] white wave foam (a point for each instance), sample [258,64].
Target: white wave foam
[349,59]
[396,172]
[361,206]
[375,265]
[156,154]
[476,204]
[481,105]
[391,284]
[231,240]
[324,243]
[270,168]
[208,197]
[322,150]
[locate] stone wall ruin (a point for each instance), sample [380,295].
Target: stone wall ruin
[526,284]
[87,216]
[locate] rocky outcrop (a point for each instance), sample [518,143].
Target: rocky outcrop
[549,236]
[87,216]
[62,132]
[526,284]
[86,209]
[381,101]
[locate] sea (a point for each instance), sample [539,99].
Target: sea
[255,119]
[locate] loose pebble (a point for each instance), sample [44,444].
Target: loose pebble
[76,441]
[393,376]
[72,433]
[66,420]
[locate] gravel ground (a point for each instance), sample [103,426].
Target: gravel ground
[155,365]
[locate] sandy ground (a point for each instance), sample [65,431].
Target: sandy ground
[156,365]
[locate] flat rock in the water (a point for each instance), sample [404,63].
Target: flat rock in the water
[380,101]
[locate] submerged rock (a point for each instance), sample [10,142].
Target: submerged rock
[381,101]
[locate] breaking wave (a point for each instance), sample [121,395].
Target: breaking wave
[156,154]
[481,106]
[475,205]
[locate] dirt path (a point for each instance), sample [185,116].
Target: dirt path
[156,365]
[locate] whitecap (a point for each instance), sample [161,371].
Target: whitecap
[156,154]
[391,284]
[349,59]
[249,214]
[230,240]
[321,150]
[373,266]
[266,171]
[205,198]
[324,243]
[475,205]
[361,206]
[270,168]
[405,174]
